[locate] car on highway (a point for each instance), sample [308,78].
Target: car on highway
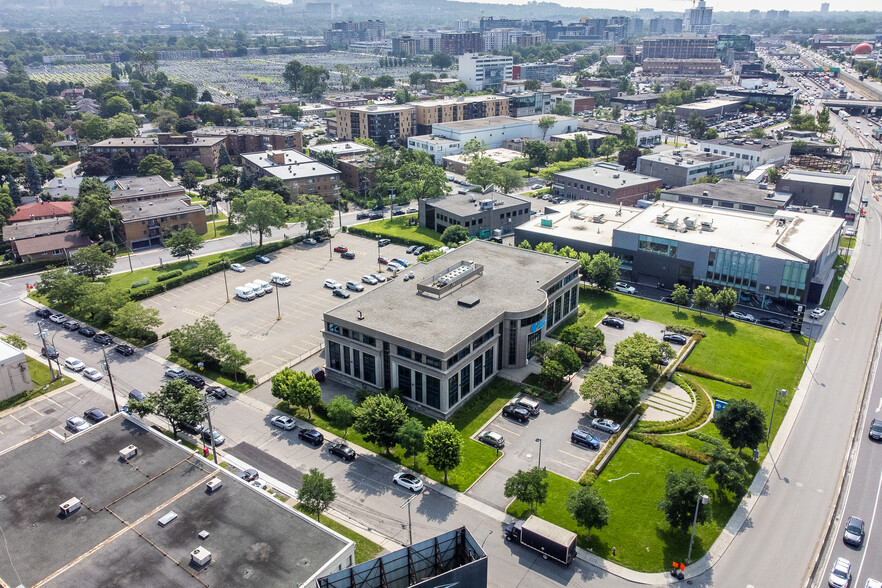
[624,288]
[261,259]
[492,438]
[347,255]
[195,381]
[77,424]
[311,436]
[103,339]
[408,480]
[237,267]
[72,363]
[771,322]
[817,313]
[218,438]
[840,575]
[125,350]
[340,293]
[516,413]
[580,437]
[92,374]
[368,279]
[611,321]
[675,338]
[340,249]
[175,373]
[876,430]
[49,352]
[218,392]
[284,422]
[606,425]
[95,415]
[43,312]
[342,451]
[333,284]
[354,286]
[854,531]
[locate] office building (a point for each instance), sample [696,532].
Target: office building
[528,103]
[679,168]
[682,67]
[430,112]
[384,124]
[544,72]
[482,72]
[301,174]
[749,153]
[821,189]
[481,214]
[713,108]
[604,183]
[665,26]
[699,18]
[456,44]
[440,337]
[825,7]
[646,136]
[683,47]
[733,194]
[342,34]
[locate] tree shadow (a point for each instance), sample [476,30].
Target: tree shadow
[433,508]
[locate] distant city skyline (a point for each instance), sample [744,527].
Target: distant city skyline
[717,5]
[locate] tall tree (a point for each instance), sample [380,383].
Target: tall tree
[603,270]
[454,234]
[412,437]
[642,352]
[199,341]
[586,337]
[231,359]
[420,179]
[545,124]
[682,490]
[742,424]
[482,171]
[588,508]
[341,413]
[379,417]
[260,212]
[613,390]
[313,212]
[156,165]
[93,164]
[297,388]
[91,262]
[316,492]
[728,470]
[680,295]
[443,447]
[725,301]
[34,180]
[508,180]
[184,242]
[93,216]
[177,402]
[134,320]
[609,146]
[562,108]
[223,157]
[702,298]
[528,486]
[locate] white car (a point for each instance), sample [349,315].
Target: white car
[871,583]
[840,575]
[378,277]
[284,422]
[175,373]
[607,425]
[310,241]
[354,286]
[58,318]
[92,374]
[850,232]
[72,363]
[333,284]
[368,279]
[742,316]
[77,424]
[260,484]
[408,480]
[624,288]
[818,313]
[237,267]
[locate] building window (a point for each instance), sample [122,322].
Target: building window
[452,390]
[433,362]
[418,386]
[488,363]
[404,352]
[356,364]
[465,381]
[512,342]
[404,381]
[433,392]
[334,355]
[479,370]
[657,245]
[370,368]
[346,364]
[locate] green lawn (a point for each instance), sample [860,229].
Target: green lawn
[365,549]
[41,380]
[223,230]
[398,228]
[847,242]
[632,485]
[476,457]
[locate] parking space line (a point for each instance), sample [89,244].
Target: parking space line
[17,420]
[35,410]
[566,465]
[53,402]
[575,456]
[507,430]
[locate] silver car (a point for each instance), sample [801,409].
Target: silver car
[606,425]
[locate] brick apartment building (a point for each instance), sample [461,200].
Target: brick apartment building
[145,223]
[431,112]
[300,174]
[382,124]
[178,149]
[239,140]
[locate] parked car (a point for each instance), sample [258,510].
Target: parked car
[218,438]
[531,406]
[675,338]
[516,412]
[419,250]
[87,331]
[103,339]
[742,316]
[261,259]
[876,430]
[611,321]
[71,325]
[408,480]
[342,451]
[72,363]
[249,474]
[58,318]
[410,249]
[218,392]
[284,422]
[362,215]
[624,288]
[333,284]
[854,531]
[580,437]
[378,277]
[818,313]
[412,210]
[95,415]
[347,255]
[77,424]
[49,352]
[175,373]
[43,312]
[92,374]
[310,241]
[383,260]
[340,249]
[311,436]
[237,267]
[125,350]
[840,575]
[383,242]
[319,238]
[340,293]
[492,438]
[368,279]
[606,425]
[195,381]
[192,428]
[394,267]
[375,216]
[400,261]
[318,373]
[771,322]
[137,395]
[353,285]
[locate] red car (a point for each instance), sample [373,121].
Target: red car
[340,249]
[383,260]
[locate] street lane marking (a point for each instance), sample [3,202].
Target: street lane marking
[878,408]
[869,534]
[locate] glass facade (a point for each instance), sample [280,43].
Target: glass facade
[433,392]
[732,268]
[334,355]
[452,390]
[793,280]
[370,368]
[657,245]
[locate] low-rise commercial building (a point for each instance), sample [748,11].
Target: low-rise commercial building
[604,183]
[715,108]
[682,67]
[749,153]
[523,103]
[544,72]
[646,136]
[679,168]
[146,223]
[821,189]
[440,337]
[436,146]
[594,139]
[746,196]
[480,213]
[460,163]
[482,72]
[300,174]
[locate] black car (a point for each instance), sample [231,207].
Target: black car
[342,451]
[347,255]
[137,396]
[375,216]
[398,212]
[49,352]
[126,350]
[43,313]
[87,331]
[771,322]
[378,207]
[311,436]
[362,216]
[340,293]
[410,249]
[95,415]
[611,321]
[192,428]
[319,238]
[216,391]
[195,381]
[516,412]
[249,475]
[103,339]
[675,338]
[876,430]
[71,325]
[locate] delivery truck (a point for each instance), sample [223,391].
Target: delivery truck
[550,540]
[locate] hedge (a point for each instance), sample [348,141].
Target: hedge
[685,330]
[699,414]
[697,371]
[17,269]
[140,283]
[169,275]
[706,438]
[622,314]
[675,448]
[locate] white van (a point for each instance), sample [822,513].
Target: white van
[265,286]
[258,291]
[280,279]
[245,292]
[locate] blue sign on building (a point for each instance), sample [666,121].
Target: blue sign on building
[537,326]
[720,405]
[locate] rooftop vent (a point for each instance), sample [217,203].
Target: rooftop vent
[617,176]
[707,225]
[672,224]
[167,518]
[468,301]
[69,506]
[689,223]
[200,556]
[661,218]
[128,452]
[214,484]
[598,218]
[705,193]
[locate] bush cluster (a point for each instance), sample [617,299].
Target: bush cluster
[706,438]
[685,330]
[675,448]
[697,371]
[169,275]
[16,269]
[140,283]
[415,239]
[622,314]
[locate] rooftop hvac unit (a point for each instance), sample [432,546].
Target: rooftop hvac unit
[707,225]
[672,224]
[689,223]
[214,484]
[598,218]
[200,556]
[486,204]
[705,193]
[167,518]
[69,506]
[661,218]
[128,452]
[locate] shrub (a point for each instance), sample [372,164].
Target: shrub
[697,371]
[169,275]
[685,330]
[622,314]
[17,269]
[189,266]
[675,448]
[706,438]
[698,415]
[140,283]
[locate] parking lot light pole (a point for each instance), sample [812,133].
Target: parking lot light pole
[226,287]
[110,377]
[702,499]
[278,307]
[540,452]
[779,395]
[41,334]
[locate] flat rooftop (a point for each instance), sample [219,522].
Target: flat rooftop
[155,208]
[512,281]
[466,204]
[256,131]
[347,148]
[604,176]
[132,187]
[459,100]
[828,179]
[434,139]
[481,123]
[609,127]
[291,164]
[735,191]
[572,136]
[114,539]
[575,220]
[711,104]
[744,143]
[500,155]
[376,108]
[685,158]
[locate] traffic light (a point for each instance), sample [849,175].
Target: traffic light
[796,321]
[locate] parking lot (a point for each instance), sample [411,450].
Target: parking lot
[612,335]
[271,343]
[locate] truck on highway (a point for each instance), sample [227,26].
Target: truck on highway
[550,540]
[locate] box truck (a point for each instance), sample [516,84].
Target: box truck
[550,540]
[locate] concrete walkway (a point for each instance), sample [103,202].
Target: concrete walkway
[670,403]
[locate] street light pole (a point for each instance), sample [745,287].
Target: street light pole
[110,377]
[42,335]
[702,499]
[540,452]
[278,307]
[409,523]
[779,394]
[226,288]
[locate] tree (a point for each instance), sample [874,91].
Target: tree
[34,181]
[682,490]
[616,112]
[115,105]
[177,402]
[247,108]
[232,359]
[628,137]
[562,108]
[588,508]
[725,301]
[121,162]
[697,125]
[297,389]
[642,352]
[474,147]
[188,180]
[508,179]
[552,374]
[156,165]
[61,287]
[379,417]
[613,390]
[545,123]
[260,211]
[93,216]
[565,356]
[680,295]
[274,185]
[702,298]
[454,234]
[728,470]
[419,178]
[757,133]
[537,153]
[223,157]
[774,174]
[742,424]
[441,61]
[586,337]
[412,437]
[711,134]
[545,247]
[482,171]
[532,85]
[292,74]
[443,447]
[316,492]
[384,81]
[134,320]
[227,175]
[341,413]
[195,168]
[184,242]
[292,110]
[313,212]
[530,486]
[525,245]
[123,125]
[206,96]
[91,262]
[603,270]
[609,146]
[199,341]
[93,164]
[628,157]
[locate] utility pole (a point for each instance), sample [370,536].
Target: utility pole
[110,377]
[41,334]
[278,307]
[210,429]
[779,395]
[409,523]
[226,288]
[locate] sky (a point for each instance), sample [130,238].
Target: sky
[722,5]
